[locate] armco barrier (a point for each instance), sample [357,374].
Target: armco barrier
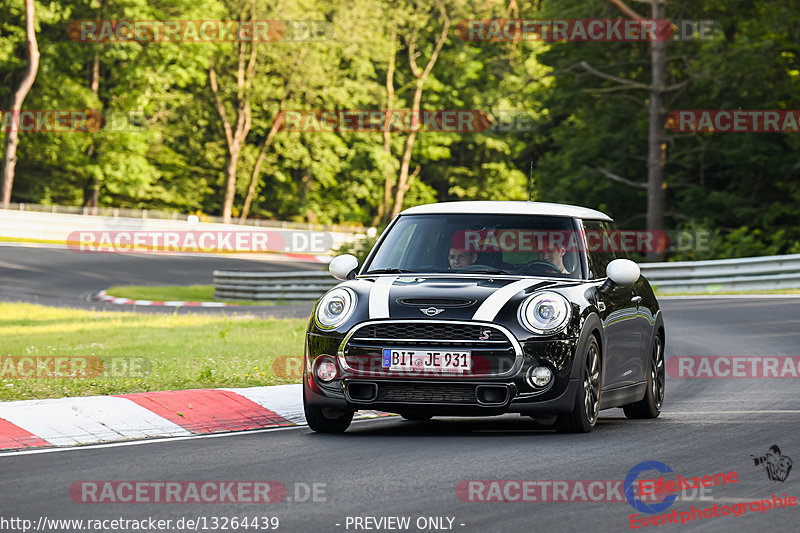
[303,286]
[745,274]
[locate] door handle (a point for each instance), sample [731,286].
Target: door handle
[637,300]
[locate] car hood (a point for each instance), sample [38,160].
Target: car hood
[443,297]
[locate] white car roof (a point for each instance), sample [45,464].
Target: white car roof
[508,208]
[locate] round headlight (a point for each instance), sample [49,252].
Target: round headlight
[335,307]
[544,312]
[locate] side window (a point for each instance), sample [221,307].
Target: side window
[620,249]
[599,246]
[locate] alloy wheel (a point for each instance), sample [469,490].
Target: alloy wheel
[591,384]
[657,377]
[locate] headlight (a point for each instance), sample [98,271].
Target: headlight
[335,307]
[544,312]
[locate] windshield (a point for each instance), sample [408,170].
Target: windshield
[497,244]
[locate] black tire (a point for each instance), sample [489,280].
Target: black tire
[324,420]
[650,405]
[587,402]
[411,417]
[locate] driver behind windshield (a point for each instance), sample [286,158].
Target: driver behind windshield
[461,258]
[555,256]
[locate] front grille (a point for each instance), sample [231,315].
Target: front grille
[430,331]
[426,393]
[493,355]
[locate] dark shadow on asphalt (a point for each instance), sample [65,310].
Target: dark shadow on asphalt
[474,427]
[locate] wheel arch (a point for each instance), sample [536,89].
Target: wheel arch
[658,329]
[592,327]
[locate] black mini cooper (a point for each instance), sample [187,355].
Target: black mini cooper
[485,308]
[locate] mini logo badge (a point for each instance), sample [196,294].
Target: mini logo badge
[431,311]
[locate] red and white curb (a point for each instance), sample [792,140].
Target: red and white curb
[97,419]
[107,298]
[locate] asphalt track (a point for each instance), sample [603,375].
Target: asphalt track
[60,277]
[390,467]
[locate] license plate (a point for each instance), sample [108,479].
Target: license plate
[427,360]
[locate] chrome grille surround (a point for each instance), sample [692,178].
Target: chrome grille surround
[427,342]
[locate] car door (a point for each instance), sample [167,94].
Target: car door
[636,367]
[619,314]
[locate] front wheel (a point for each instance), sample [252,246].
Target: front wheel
[587,402]
[650,405]
[326,420]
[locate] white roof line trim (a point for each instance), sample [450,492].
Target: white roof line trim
[508,208]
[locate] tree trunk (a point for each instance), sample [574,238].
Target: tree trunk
[12,136]
[388,182]
[234,136]
[230,181]
[91,191]
[277,120]
[656,147]
[403,181]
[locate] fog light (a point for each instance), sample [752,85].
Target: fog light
[539,377]
[326,370]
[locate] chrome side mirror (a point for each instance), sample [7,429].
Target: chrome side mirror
[344,267]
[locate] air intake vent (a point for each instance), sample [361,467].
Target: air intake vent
[436,302]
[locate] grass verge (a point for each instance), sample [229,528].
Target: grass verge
[143,352]
[181,293]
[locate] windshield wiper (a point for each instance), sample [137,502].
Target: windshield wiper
[487,271]
[389,271]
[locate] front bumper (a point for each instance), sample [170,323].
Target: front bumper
[441,399]
[481,394]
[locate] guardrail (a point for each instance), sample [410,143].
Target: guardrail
[744,274]
[302,286]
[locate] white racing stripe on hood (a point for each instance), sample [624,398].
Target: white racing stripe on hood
[379,297]
[492,305]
